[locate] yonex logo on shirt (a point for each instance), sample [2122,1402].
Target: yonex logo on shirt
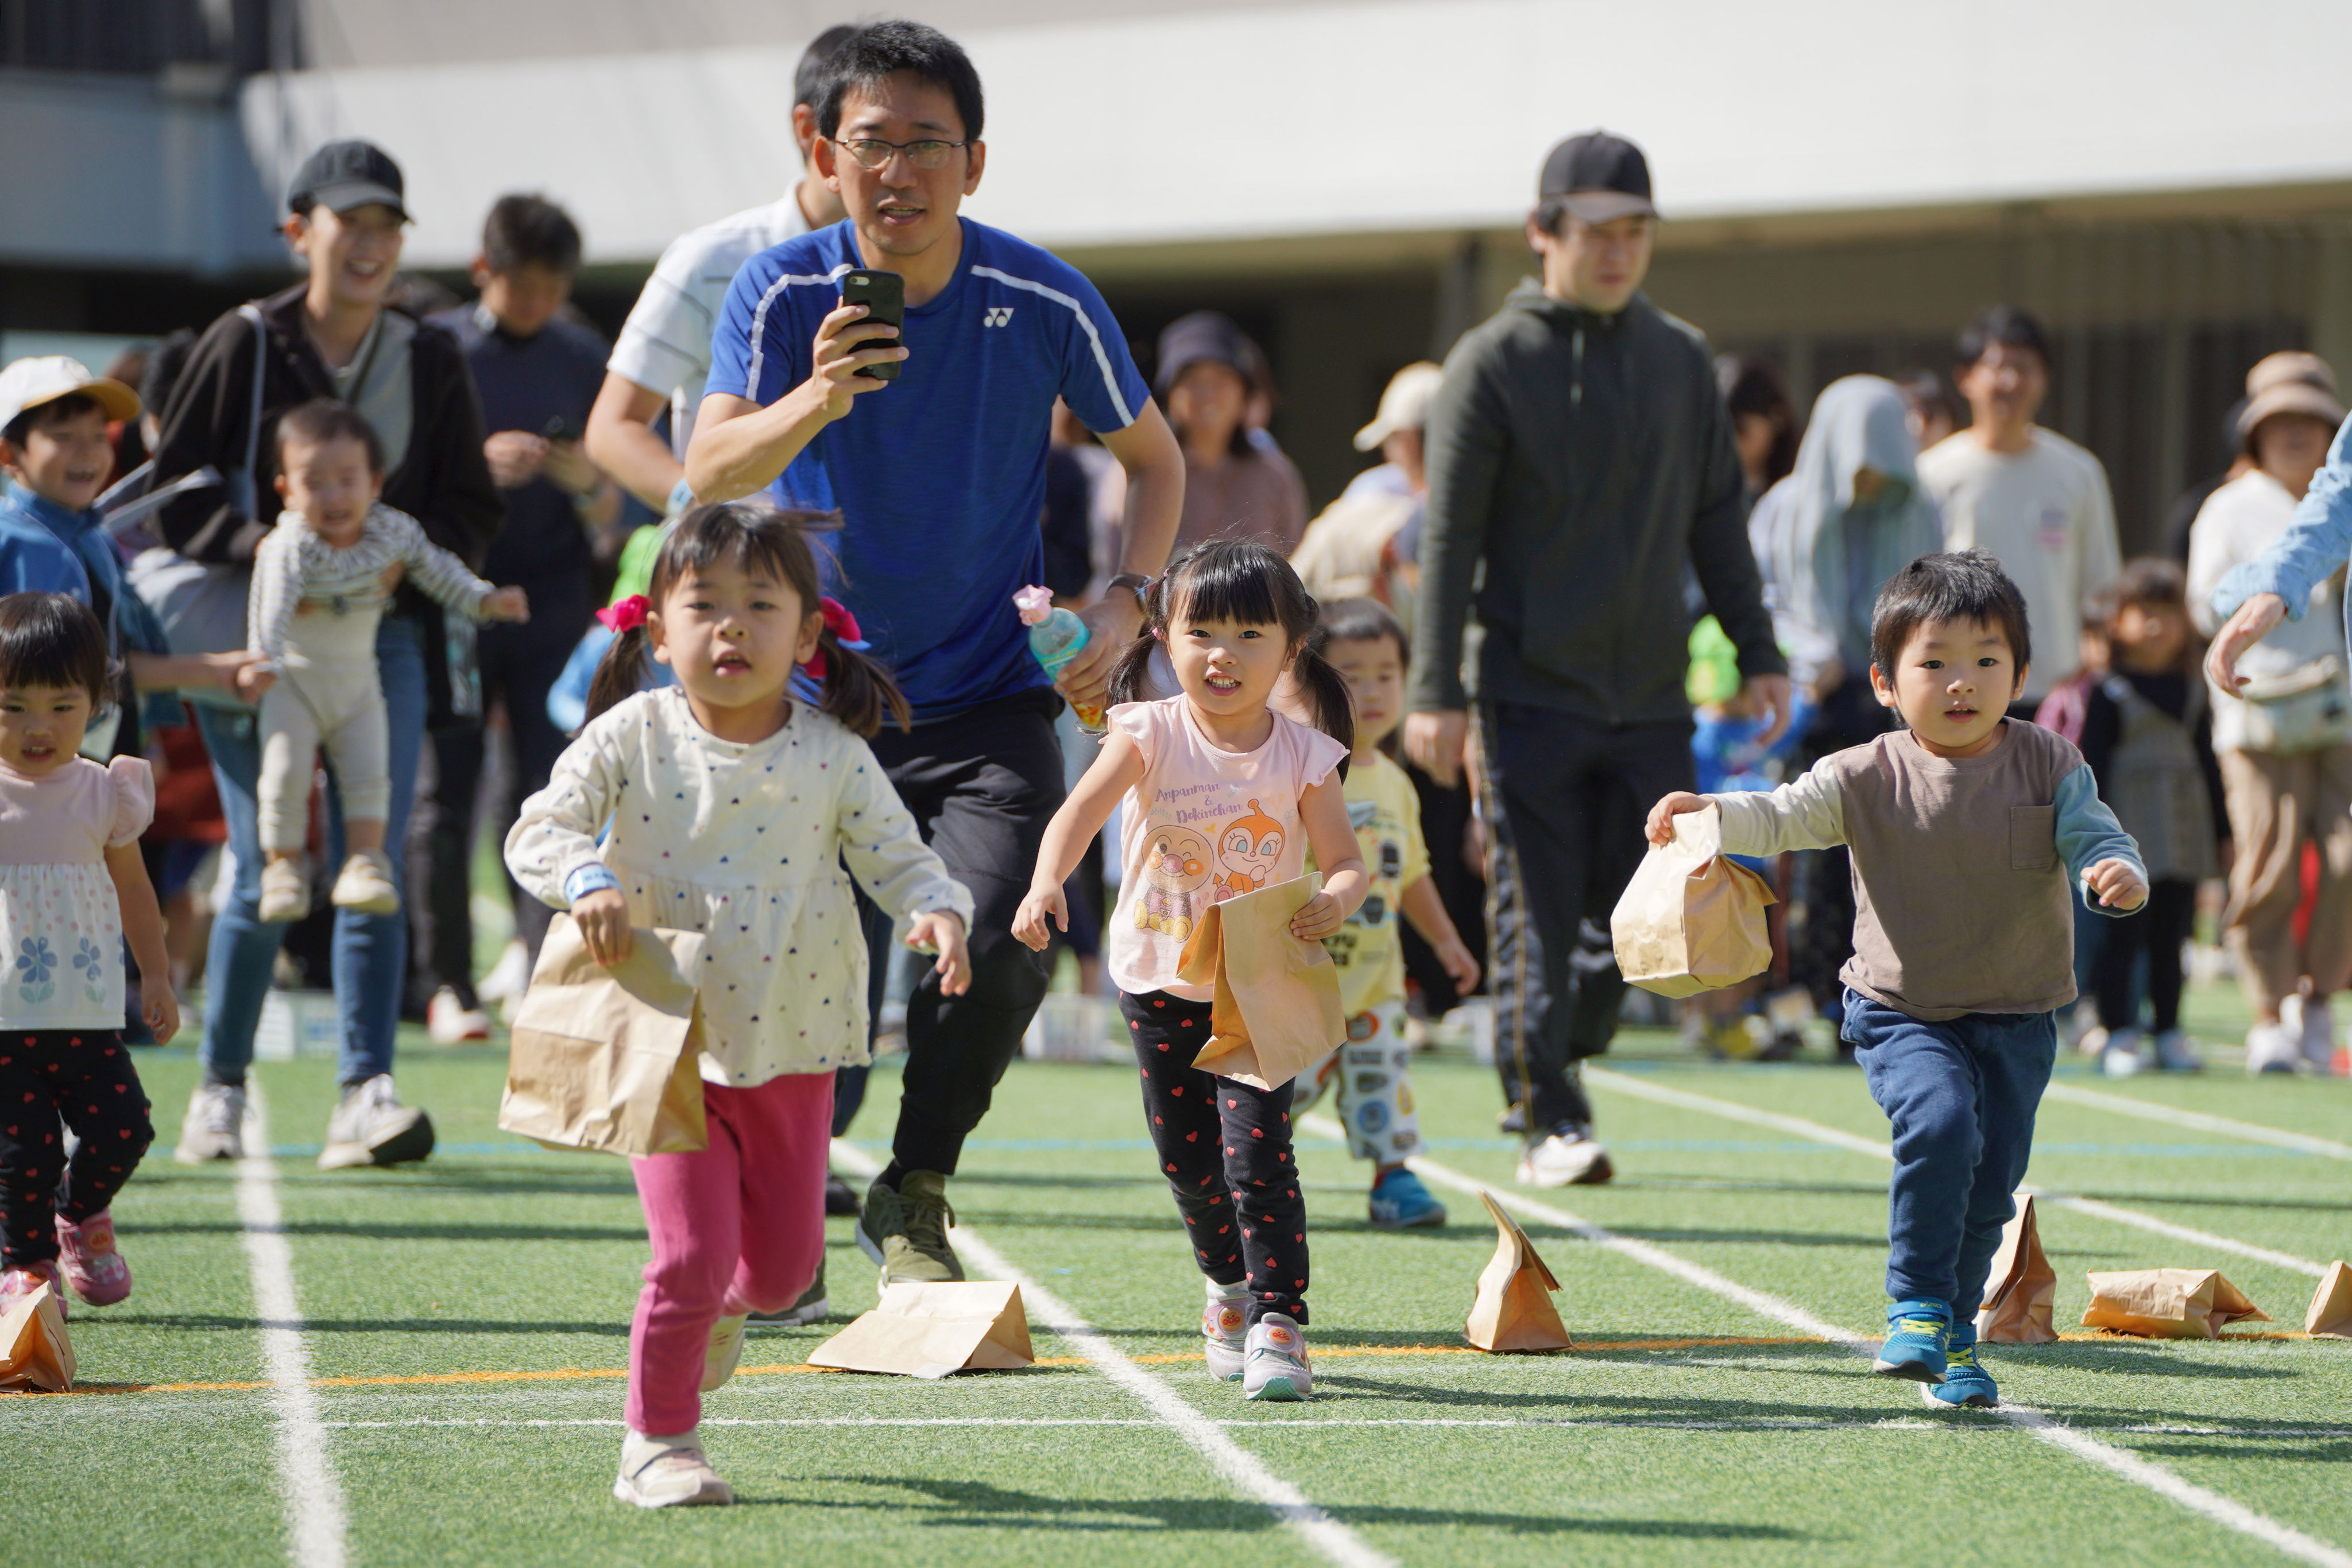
[997,316]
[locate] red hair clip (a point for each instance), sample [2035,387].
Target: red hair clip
[844,627]
[626,615]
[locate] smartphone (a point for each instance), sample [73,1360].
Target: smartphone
[884,294]
[559,428]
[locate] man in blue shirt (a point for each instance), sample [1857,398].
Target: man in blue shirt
[939,482]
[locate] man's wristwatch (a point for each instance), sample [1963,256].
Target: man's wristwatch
[1134,582]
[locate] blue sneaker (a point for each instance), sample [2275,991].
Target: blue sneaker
[1917,1334]
[1399,1202]
[1964,1383]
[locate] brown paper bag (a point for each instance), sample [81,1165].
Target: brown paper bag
[2168,1304]
[2021,1286]
[930,1331]
[34,1349]
[1513,1312]
[1691,920]
[1276,1012]
[2330,1315]
[605,1059]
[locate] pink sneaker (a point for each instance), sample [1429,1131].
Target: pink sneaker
[93,1266]
[24,1282]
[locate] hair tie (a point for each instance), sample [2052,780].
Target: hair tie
[844,627]
[626,615]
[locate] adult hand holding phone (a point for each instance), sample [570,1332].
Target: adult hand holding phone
[847,342]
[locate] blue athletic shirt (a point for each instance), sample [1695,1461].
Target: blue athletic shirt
[941,476]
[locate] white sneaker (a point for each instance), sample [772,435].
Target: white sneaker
[1224,1330]
[2175,1054]
[285,892]
[2272,1048]
[509,976]
[1566,1157]
[1273,1362]
[451,1022]
[365,884]
[214,1128]
[2318,1035]
[2120,1056]
[719,1362]
[372,1127]
[669,1472]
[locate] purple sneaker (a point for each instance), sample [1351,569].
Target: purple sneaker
[93,1266]
[31,1276]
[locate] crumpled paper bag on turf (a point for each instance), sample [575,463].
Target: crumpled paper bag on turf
[2168,1304]
[1275,1008]
[605,1059]
[1691,920]
[34,1349]
[1513,1312]
[2330,1315]
[2020,1287]
[930,1331]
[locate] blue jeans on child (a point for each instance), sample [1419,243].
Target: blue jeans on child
[1961,1093]
[371,951]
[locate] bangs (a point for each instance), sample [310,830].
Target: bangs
[1231,581]
[51,640]
[756,539]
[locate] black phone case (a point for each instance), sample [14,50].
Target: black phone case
[886,303]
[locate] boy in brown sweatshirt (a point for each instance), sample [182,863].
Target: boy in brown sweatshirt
[1968,830]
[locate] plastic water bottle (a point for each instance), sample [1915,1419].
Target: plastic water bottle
[1055,637]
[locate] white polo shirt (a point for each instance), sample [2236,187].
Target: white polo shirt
[665,345]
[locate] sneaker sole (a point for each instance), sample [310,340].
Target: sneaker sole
[719,1494]
[411,1142]
[1928,1397]
[188,1155]
[1221,1374]
[1425,1222]
[1279,1391]
[1909,1371]
[797,1317]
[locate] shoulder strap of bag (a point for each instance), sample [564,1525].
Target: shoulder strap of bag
[261,367]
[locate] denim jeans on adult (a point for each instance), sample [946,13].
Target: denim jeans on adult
[1961,1093]
[371,951]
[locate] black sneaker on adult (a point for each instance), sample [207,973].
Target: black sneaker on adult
[840,1197]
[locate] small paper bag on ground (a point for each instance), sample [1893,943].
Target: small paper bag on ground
[34,1349]
[2020,1287]
[1692,920]
[930,1331]
[604,1059]
[1276,1012]
[2330,1316]
[2168,1304]
[1513,1311]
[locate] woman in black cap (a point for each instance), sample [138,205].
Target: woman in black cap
[330,336]
[1233,487]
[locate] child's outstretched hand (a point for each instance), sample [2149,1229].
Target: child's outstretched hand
[161,1009]
[506,604]
[1661,827]
[1316,918]
[2115,883]
[603,917]
[1043,911]
[942,933]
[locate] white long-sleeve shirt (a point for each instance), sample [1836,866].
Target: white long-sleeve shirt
[744,843]
[292,565]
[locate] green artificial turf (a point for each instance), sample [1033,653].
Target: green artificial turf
[499,1257]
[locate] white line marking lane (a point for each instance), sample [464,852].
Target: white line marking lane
[314,1500]
[1732,1111]
[1240,1468]
[2223,1511]
[2149,1111]
[1891,1424]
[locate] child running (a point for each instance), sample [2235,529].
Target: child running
[1222,796]
[1968,830]
[734,808]
[72,884]
[1363,642]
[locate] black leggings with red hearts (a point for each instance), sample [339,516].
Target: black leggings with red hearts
[82,1077]
[1224,1148]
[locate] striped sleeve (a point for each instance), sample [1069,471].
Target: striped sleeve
[756,351]
[431,568]
[276,593]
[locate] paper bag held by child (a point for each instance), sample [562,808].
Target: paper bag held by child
[2021,1286]
[1513,1312]
[605,1059]
[1277,1007]
[1692,920]
[2168,1304]
[34,1349]
[2330,1316]
[930,1331]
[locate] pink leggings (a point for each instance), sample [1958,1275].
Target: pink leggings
[736,1228]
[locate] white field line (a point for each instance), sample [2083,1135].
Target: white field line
[314,1500]
[1240,1468]
[1732,1111]
[2147,1110]
[2223,1511]
[1891,1424]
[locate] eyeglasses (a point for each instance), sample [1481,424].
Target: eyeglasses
[872,152]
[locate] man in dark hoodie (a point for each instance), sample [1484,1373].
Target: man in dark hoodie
[1582,470]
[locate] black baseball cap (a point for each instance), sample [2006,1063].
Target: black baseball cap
[346,174]
[1598,177]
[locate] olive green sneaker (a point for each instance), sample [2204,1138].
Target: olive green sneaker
[906,1230]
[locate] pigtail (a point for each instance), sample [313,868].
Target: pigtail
[1131,677]
[1319,682]
[620,674]
[857,690]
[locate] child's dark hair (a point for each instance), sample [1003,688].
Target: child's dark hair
[1363,621]
[1243,580]
[753,535]
[54,640]
[2010,326]
[324,420]
[529,231]
[2149,582]
[1959,585]
[49,412]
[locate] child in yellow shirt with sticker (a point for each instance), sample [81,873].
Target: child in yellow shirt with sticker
[1372,1071]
